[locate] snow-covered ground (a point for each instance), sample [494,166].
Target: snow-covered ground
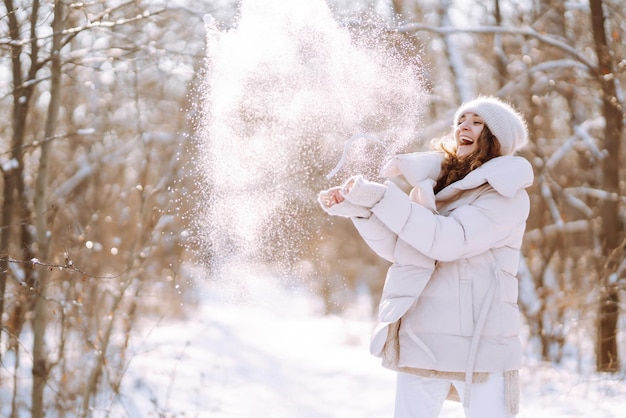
[266,351]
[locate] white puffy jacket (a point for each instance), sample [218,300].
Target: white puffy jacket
[455,256]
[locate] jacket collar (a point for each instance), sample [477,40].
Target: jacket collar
[506,174]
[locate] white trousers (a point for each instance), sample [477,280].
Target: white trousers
[421,397]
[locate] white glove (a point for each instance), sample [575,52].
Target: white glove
[361,192]
[345,209]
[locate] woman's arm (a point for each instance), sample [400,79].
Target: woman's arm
[377,236]
[470,229]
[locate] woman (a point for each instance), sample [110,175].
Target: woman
[448,316]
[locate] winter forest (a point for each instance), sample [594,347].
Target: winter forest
[160,166]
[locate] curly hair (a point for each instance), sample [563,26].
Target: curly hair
[454,168]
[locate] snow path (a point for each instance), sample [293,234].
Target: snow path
[276,356]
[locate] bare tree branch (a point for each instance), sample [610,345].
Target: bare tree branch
[530,32]
[67,266]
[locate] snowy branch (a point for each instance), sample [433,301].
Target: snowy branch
[76,180]
[619,274]
[589,141]
[68,266]
[574,201]
[93,24]
[111,24]
[25,85]
[549,198]
[37,143]
[538,234]
[558,64]
[582,134]
[546,39]
[597,193]
[556,156]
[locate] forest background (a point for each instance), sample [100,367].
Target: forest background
[101,183]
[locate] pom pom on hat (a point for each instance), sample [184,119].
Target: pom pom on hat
[507,124]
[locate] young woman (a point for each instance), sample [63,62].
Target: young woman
[448,314]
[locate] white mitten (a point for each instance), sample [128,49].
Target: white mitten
[361,192]
[345,208]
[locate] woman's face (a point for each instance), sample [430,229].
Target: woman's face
[467,133]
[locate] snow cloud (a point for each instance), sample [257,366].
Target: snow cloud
[283,92]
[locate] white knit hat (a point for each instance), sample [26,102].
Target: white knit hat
[504,122]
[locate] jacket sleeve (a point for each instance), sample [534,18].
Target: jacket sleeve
[377,236]
[470,229]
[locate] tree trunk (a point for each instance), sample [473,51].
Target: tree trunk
[607,358]
[13,194]
[464,91]
[500,57]
[40,317]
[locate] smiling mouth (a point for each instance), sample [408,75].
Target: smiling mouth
[466,141]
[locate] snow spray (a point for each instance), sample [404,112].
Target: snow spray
[293,103]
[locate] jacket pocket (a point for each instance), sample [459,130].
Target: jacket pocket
[418,341]
[466,310]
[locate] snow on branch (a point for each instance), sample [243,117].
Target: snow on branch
[597,193]
[92,24]
[37,143]
[580,133]
[556,156]
[558,64]
[588,140]
[619,273]
[86,169]
[527,31]
[26,84]
[110,24]
[549,198]
[574,201]
[549,231]
[578,204]
[67,266]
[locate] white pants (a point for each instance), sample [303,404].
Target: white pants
[421,397]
